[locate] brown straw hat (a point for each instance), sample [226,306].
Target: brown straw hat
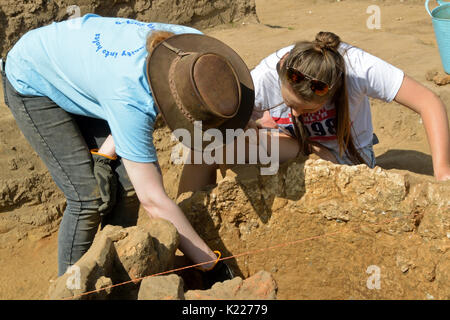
[194,78]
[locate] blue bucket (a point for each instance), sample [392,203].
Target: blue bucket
[441,24]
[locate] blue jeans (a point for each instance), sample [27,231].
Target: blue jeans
[63,141]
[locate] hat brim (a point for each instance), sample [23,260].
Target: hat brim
[158,66]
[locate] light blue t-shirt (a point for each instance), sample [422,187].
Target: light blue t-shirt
[94,66]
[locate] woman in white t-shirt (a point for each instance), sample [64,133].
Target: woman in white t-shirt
[317,94]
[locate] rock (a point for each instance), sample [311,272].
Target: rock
[136,254]
[115,233]
[162,288]
[403,263]
[260,286]
[165,241]
[383,211]
[82,277]
[438,77]
[435,223]
[104,287]
[219,291]
[12,165]
[430,273]
[118,255]
[353,186]
[443,277]
[431,74]
[442,79]
[435,217]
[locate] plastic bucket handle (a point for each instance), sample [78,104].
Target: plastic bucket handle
[427,5]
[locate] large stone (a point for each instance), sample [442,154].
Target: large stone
[260,286]
[165,241]
[162,288]
[136,254]
[82,277]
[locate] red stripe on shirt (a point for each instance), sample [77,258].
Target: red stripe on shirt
[282,120]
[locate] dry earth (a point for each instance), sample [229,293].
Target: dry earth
[32,205]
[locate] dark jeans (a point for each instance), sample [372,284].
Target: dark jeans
[63,141]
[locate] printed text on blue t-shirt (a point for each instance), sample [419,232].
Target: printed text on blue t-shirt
[114,54]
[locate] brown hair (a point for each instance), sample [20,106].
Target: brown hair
[155,38]
[321,59]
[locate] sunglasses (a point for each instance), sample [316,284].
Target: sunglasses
[319,87]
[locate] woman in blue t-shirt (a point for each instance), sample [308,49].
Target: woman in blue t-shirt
[70,84]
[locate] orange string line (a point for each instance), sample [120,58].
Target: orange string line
[251,252]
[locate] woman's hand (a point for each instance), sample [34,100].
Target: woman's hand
[266,121]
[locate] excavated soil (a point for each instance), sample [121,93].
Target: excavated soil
[328,267]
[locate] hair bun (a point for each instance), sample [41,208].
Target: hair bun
[327,40]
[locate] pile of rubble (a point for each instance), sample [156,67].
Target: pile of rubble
[124,263]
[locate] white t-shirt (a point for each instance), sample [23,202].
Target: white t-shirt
[367,76]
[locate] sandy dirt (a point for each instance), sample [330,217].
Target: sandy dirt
[28,258]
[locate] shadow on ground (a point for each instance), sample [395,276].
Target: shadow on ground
[414,161]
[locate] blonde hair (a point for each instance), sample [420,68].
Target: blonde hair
[321,59]
[155,38]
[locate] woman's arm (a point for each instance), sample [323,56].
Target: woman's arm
[148,184]
[420,99]
[108,147]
